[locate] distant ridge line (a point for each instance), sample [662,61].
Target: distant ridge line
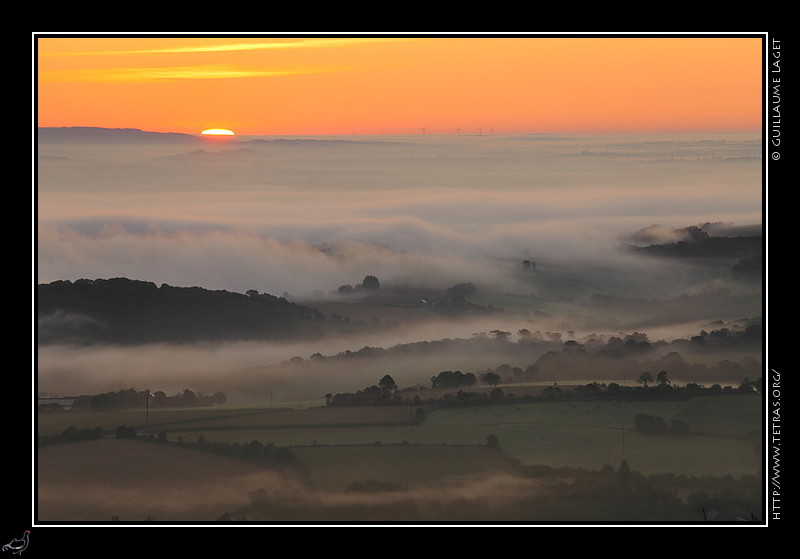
[90,133]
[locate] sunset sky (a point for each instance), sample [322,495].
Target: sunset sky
[260,85]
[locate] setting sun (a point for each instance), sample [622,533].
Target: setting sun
[217,132]
[400,84]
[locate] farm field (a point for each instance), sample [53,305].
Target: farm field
[54,423]
[732,415]
[135,480]
[337,446]
[581,434]
[334,468]
[158,418]
[589,434]
[291,418]
[577,434]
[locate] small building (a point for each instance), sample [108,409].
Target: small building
[528,266]
[55,404]
[64,403]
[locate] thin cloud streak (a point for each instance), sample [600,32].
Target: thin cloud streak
[289,43]
[156,74]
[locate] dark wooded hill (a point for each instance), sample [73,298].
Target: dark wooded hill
[709,247]
[749,250]
[127,311]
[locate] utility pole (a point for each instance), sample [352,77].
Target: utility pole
[623,443]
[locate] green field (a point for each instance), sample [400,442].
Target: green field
[577,434]
[730,416]
[337,446]
[589,434]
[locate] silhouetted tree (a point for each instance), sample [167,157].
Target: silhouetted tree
[387,384]
[748,386]
[501,335]
[370,283]
[159,398]
[644,379]
[464,289]
[552,391]
[188,397]
[492,379]
[452,379]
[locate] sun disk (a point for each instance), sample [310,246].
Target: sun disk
[217,132]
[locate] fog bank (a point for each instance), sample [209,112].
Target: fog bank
[301,217]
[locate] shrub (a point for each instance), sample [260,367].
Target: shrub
[650,424]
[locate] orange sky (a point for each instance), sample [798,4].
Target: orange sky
[394,85]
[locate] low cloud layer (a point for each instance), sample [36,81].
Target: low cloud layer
[309,216]
[303,217]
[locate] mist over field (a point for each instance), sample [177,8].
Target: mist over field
[299,217]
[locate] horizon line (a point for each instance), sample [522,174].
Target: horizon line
[457,131]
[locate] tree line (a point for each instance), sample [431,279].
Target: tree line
[132,398]
[266,454]
[598,357]
[387,392]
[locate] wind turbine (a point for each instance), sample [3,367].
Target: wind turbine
[423,130]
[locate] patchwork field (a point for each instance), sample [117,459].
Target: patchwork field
[336,447]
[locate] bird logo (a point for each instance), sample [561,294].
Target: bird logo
[18,545]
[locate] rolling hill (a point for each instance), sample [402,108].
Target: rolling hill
[126,311]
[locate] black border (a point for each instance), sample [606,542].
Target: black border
[58,537]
